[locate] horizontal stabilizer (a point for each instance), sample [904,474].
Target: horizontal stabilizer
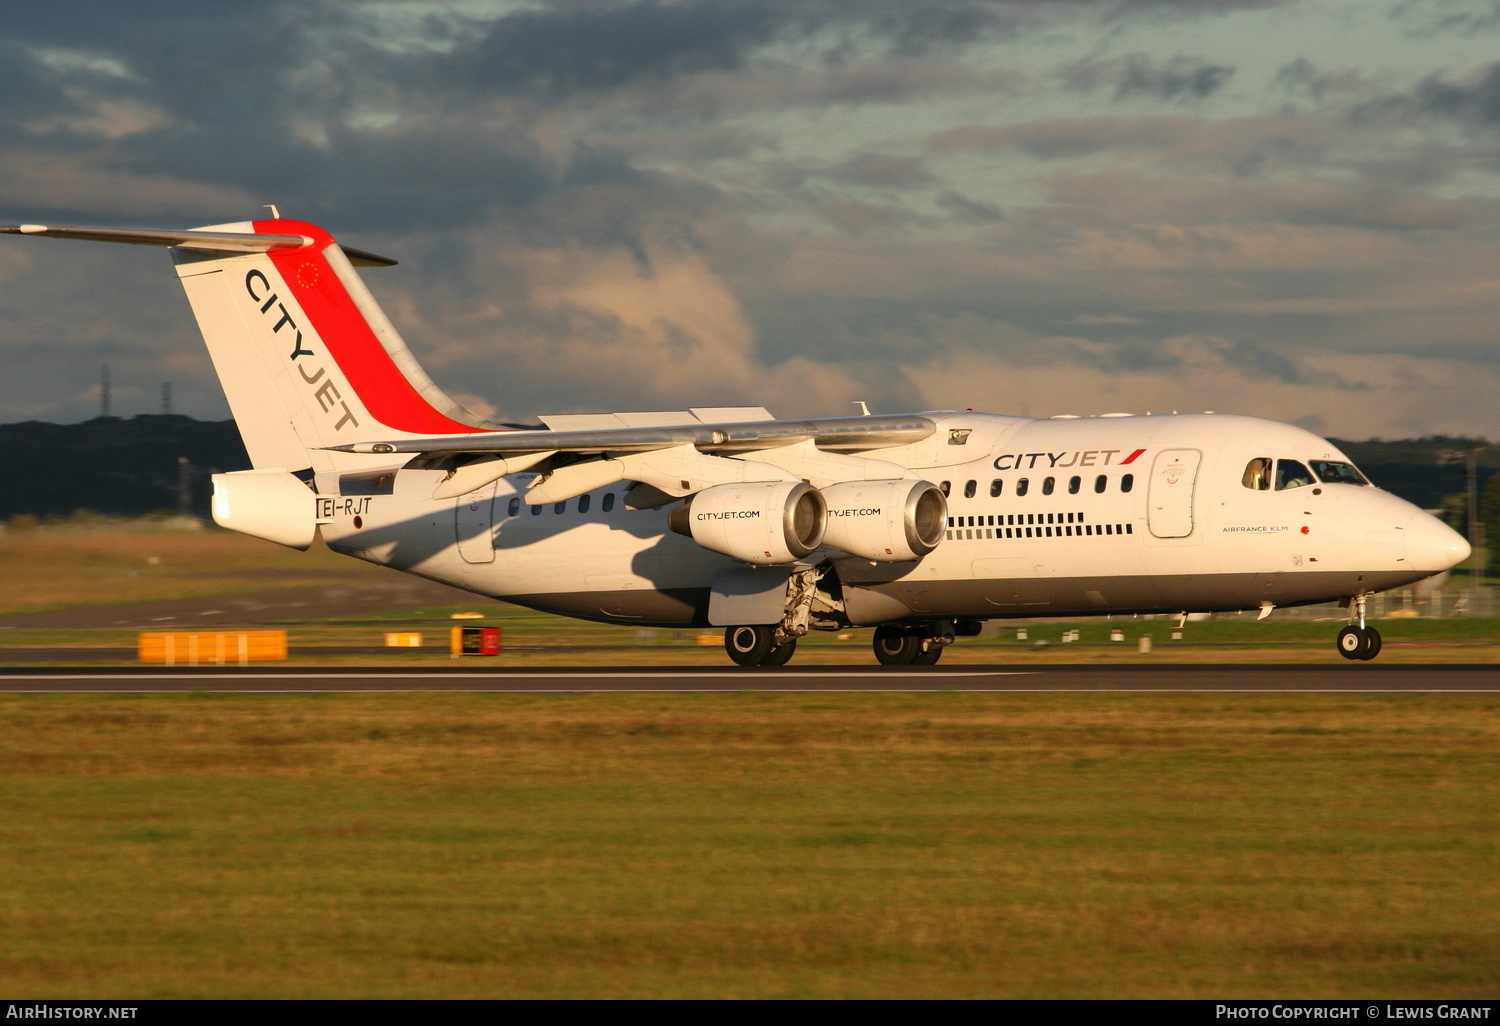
[212,242]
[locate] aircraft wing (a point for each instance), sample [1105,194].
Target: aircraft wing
[830,433]
[667,461]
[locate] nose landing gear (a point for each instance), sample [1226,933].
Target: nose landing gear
[1358,641]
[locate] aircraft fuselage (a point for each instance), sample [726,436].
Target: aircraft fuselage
[1060,517]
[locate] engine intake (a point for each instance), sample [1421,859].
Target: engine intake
[764,522]
[885,521]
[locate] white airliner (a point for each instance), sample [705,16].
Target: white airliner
[921,526]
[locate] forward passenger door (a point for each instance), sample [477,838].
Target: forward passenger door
[1169,500]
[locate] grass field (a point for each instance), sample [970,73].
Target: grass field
[140,561]
[731,845]
[750,845]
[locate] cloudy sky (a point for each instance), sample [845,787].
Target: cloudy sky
[1282,207]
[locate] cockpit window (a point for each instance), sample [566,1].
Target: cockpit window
[1257,474]
[1291,474]
[1338,473]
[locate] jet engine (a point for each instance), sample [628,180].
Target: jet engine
[885,521]
[765,522]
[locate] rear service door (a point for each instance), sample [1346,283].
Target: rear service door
[1170,499]
[473,521]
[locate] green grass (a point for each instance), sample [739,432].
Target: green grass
[750,845]
[58,568]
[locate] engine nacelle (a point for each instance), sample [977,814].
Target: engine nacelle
[764,522]
[270,504]
[885,521]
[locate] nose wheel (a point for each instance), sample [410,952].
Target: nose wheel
[1358,641]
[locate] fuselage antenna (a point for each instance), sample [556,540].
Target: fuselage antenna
[275,214]
[864,409]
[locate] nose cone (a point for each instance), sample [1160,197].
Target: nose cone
[1433,545]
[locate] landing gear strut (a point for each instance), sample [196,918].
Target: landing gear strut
[1358,641]
[756,646]
[773,644]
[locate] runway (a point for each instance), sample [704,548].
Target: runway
[1263,678]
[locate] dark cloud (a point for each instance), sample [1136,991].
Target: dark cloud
[1302,79]
[1423,18]
[1138,75]
[1471,100]
[967,210]
[1066,138]
[918,28]
[882,170]
[556,53]
[1478,103]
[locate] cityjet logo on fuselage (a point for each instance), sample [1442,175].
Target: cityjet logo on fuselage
[327,394]
[1060,460]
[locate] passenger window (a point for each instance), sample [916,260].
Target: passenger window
[1338,473]
[970,488]
[1074,483]
[1257,474]
[1100,483]
[1022,485]
[995,487]
[608,503]
[946,487]
[515,507]
[583,503]
[560,507]
[536,511]
[1291,474]
[1047,484]
[1127,482]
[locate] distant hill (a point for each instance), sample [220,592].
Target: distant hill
[1420,470]
[127,466]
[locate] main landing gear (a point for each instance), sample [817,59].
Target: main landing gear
[1358,641]
[920,644]
[897,647]
[756,646]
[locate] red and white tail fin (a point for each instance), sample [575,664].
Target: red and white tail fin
[306,357]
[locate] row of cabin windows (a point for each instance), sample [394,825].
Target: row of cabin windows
[1015,519]
[606,505]
[1030,525]
[1049,485]
[997,487]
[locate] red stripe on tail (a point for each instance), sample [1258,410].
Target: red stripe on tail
[376,379]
